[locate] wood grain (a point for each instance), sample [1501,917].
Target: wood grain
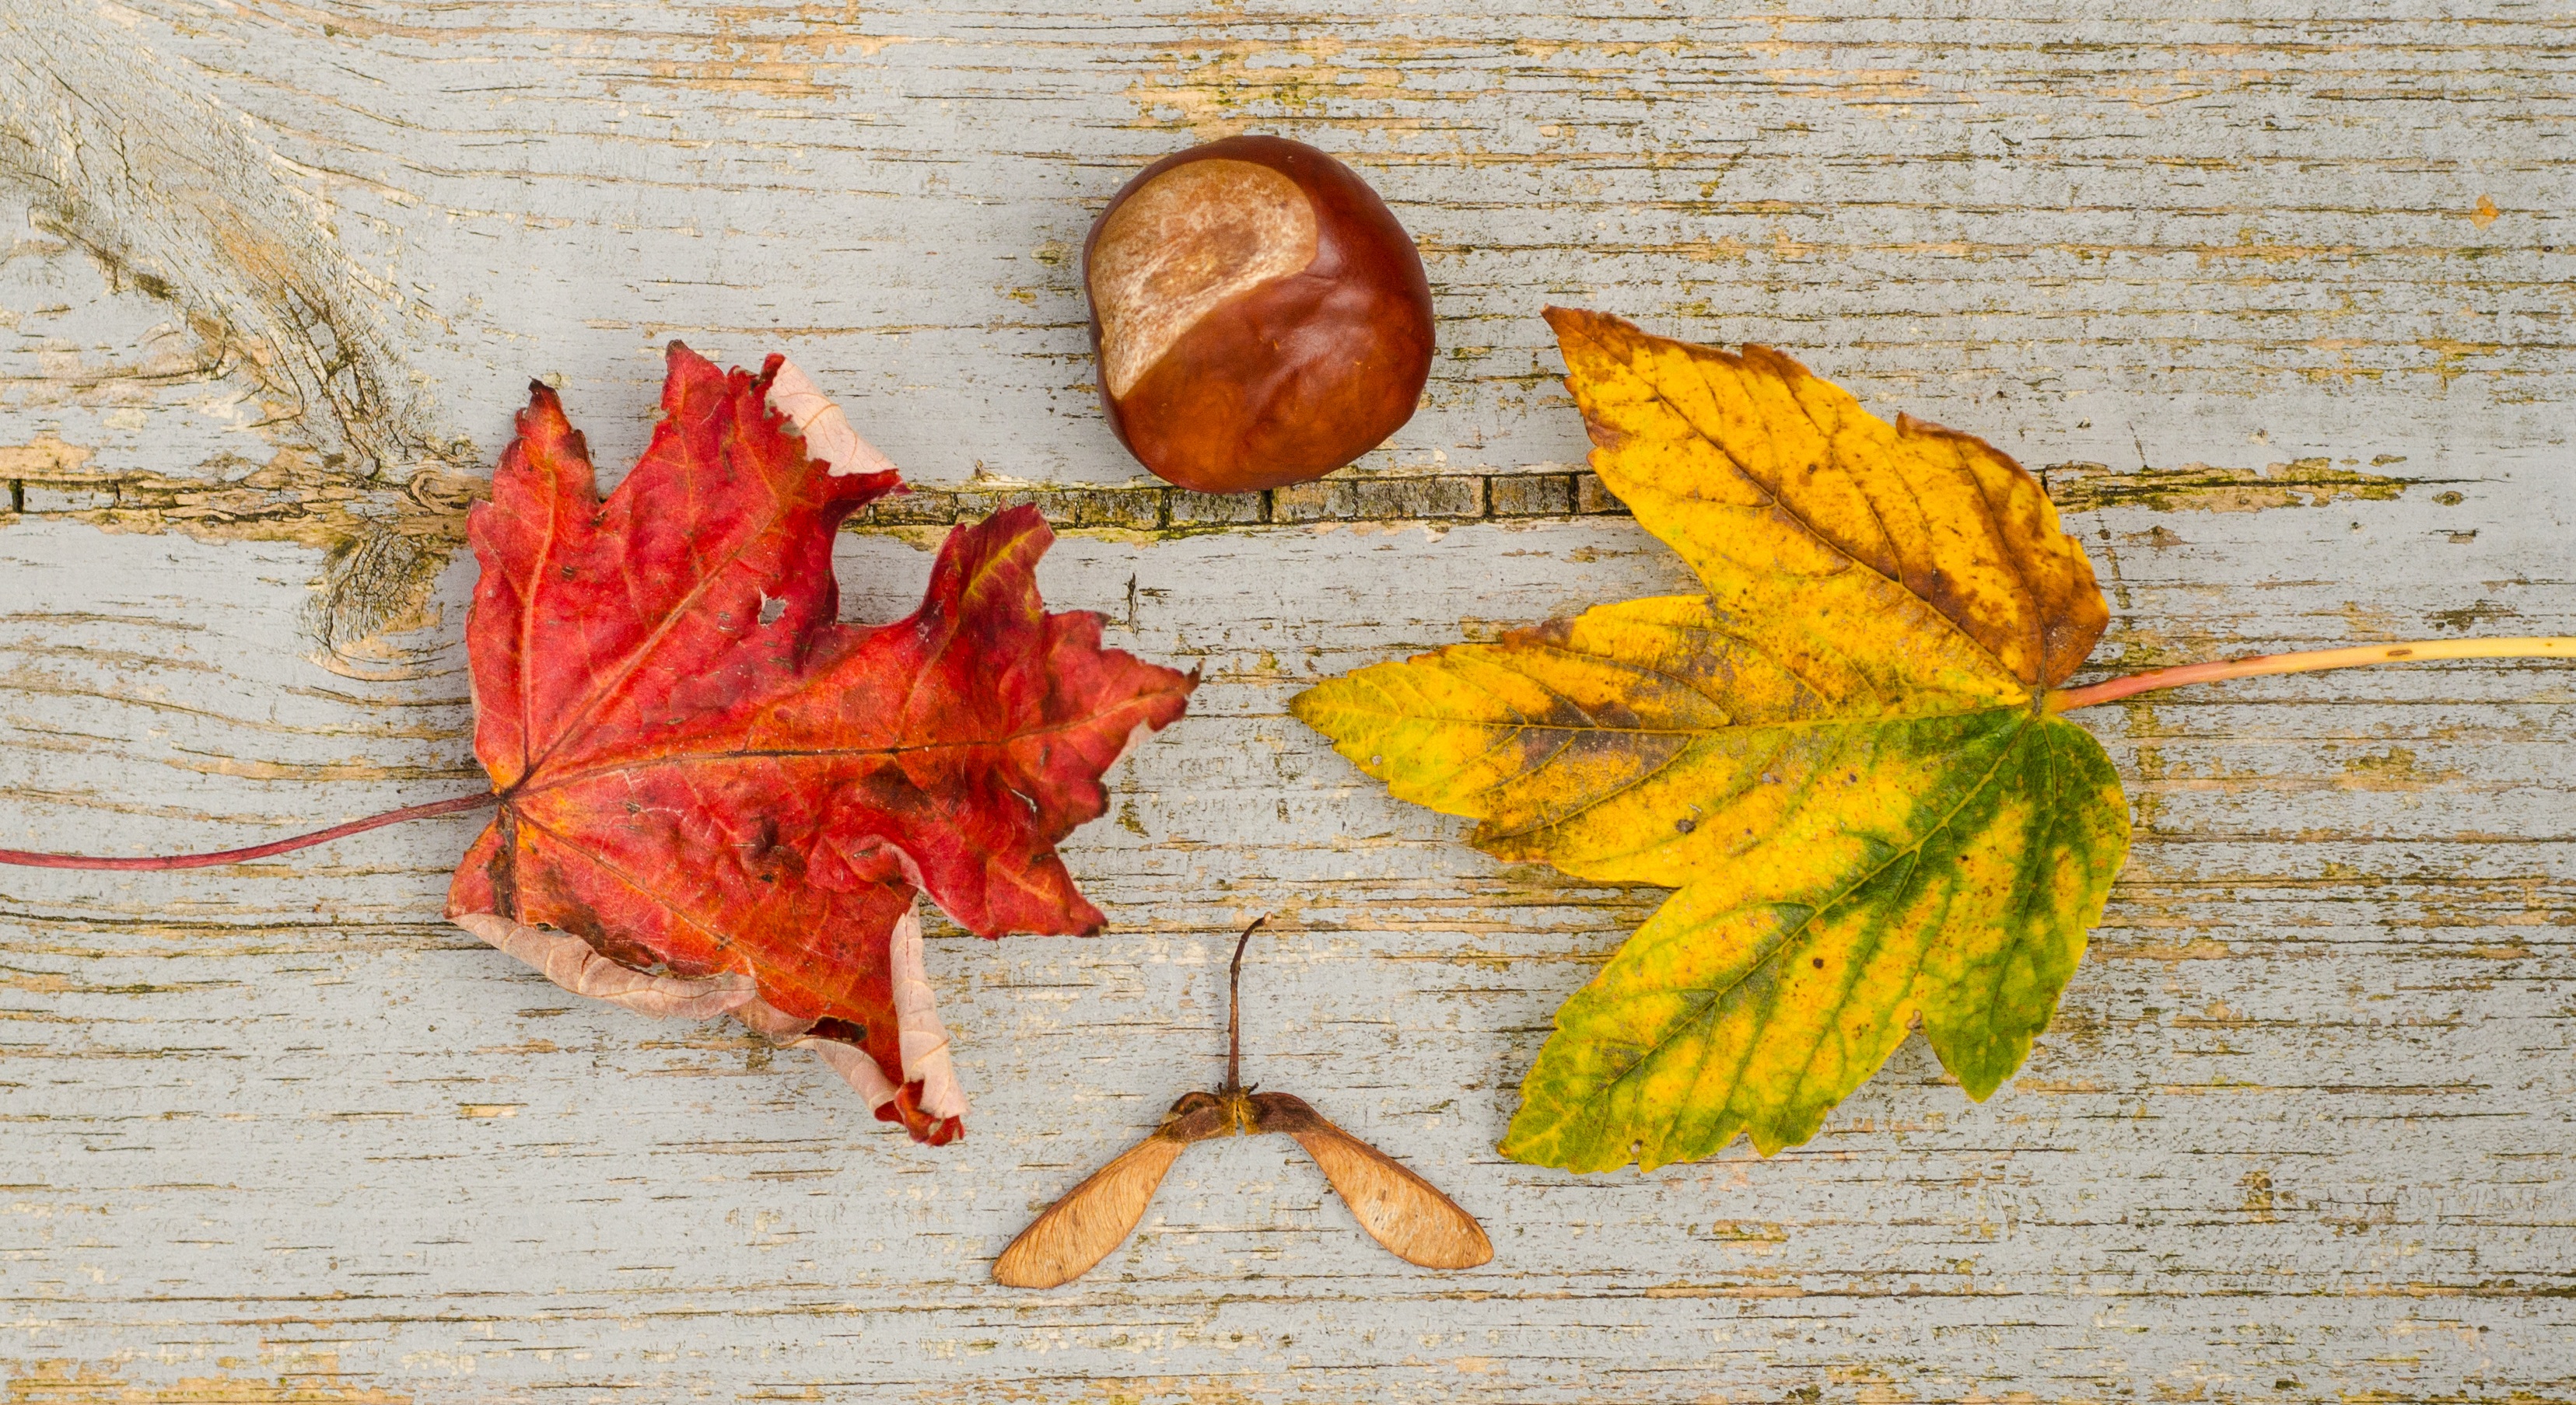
[2278,301]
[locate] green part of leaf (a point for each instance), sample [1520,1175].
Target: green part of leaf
[1737,1010]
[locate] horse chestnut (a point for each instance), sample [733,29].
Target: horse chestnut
[1259,316]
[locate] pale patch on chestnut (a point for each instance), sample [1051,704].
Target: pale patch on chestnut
[1181,246]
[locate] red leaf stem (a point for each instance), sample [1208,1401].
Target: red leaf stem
[150,863]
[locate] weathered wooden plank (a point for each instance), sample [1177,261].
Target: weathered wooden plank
[2299,1133]
[2316,1052]
[1987,206]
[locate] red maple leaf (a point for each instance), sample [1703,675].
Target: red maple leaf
[716,797]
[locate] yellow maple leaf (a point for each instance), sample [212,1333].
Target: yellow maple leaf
[1840,755]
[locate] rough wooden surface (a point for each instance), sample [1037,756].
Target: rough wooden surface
[2279,299]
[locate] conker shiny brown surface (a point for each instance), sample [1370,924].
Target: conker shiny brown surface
[1259,316]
